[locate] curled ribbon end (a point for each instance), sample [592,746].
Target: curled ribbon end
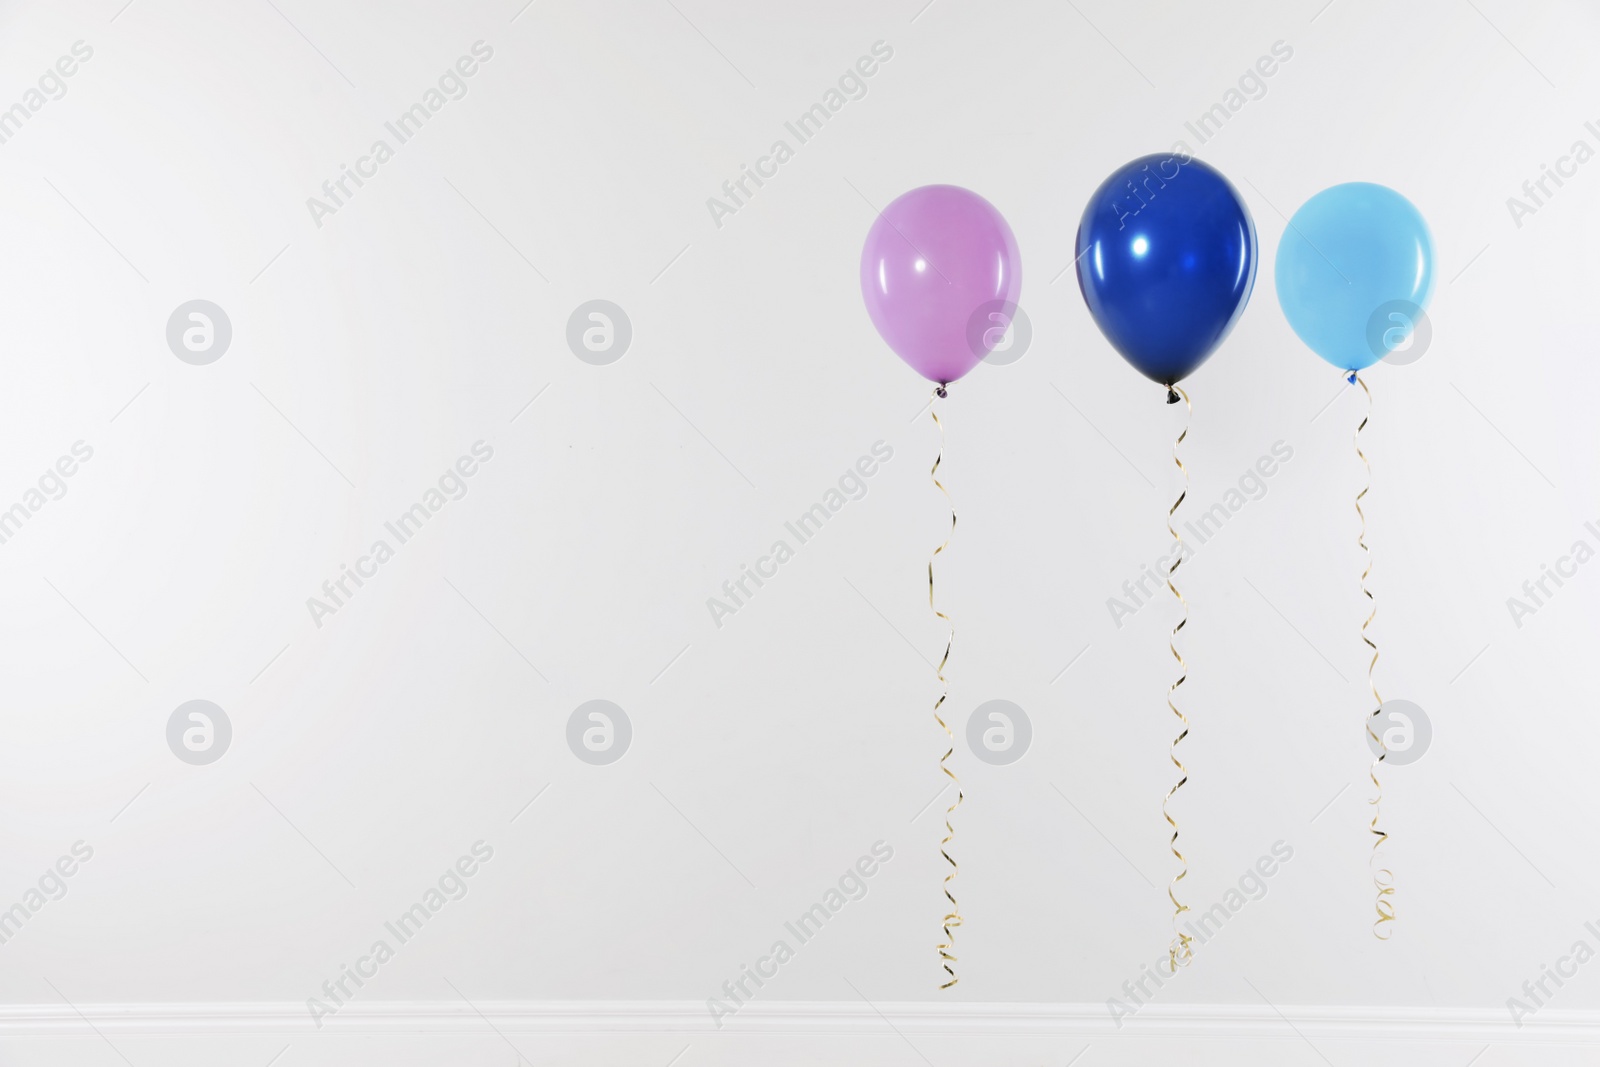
[1384,880]
[1181,954]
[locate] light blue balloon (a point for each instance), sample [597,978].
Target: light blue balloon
[1355,273]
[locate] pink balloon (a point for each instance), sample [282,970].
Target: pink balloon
[940,274]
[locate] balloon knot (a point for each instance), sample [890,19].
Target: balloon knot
[1351,378]
[1172,396]
[941,394]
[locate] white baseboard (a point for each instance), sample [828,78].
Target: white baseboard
[817,1018]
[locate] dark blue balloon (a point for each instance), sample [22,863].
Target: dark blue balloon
[1166,262]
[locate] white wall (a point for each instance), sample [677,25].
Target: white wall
[372,351]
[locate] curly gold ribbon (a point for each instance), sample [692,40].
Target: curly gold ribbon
[953,918]
[1382,877]
[1181,950]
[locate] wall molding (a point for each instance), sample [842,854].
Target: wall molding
[805,1018]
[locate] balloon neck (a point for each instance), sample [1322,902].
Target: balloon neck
[940,391]
[1172,396]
